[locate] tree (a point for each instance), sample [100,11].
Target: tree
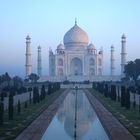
[35,95]
[17,81]
[43,92]
[1,112]
[137,63]
[133,90]
[30,96]
[134,101]
[11,108]
[123,96]
[139,104]
[2,96]
[113,92]
[127,103]
[7,78]
[22,90]
[33,77]
[106,90]
[49,88]
[132,69]
[118,94]
[25,105]
[18,107]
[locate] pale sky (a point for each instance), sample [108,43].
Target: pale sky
[46,21]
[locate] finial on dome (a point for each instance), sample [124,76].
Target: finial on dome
[112,46]
[28,37]
[39,47]
[75,21]
[123,36]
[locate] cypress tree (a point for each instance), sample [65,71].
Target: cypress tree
[58,85]
[101,88]
[49,89]
[2,96]
[30,98]
[106,90]
[25,105]
[113,93]
[123,96]
[139,104]
[134,101]
[18,107]
[11,108]
[127,99]
[34,95]
[43,92]
[118,94]
[1,112]
[37,95]
[30,94]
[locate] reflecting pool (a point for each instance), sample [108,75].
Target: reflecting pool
[75,120]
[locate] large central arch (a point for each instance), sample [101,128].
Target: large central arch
[76,66]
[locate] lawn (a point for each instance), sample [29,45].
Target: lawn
[11,129]
[129,118]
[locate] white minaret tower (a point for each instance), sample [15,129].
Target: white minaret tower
[123,55]
[39,66]
[112,60]
[28,63]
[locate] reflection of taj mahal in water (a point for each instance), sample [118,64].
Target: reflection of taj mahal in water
[76,59]
[88,126]
[85,114]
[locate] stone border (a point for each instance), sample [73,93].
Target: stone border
[36,129]
[113,127]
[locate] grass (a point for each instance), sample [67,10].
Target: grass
[129,118]
[12,128]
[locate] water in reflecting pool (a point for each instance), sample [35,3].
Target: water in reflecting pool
[88,126]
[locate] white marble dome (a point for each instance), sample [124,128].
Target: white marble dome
[76,36]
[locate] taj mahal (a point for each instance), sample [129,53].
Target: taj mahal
[76,59]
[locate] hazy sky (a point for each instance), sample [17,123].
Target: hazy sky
[46,21]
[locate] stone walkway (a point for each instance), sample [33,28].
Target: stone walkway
[114,128]
[36,129]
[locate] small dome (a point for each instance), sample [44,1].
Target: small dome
[60,46]
[91,46]
[76,36]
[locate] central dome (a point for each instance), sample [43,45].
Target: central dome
[75,36]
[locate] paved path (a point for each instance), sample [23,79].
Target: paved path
[115,129]
[38,127]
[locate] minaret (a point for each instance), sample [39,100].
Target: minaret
[123,55]
[112,60]
[28,63]
[39,66]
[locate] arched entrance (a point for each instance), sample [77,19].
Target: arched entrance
[76,66]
